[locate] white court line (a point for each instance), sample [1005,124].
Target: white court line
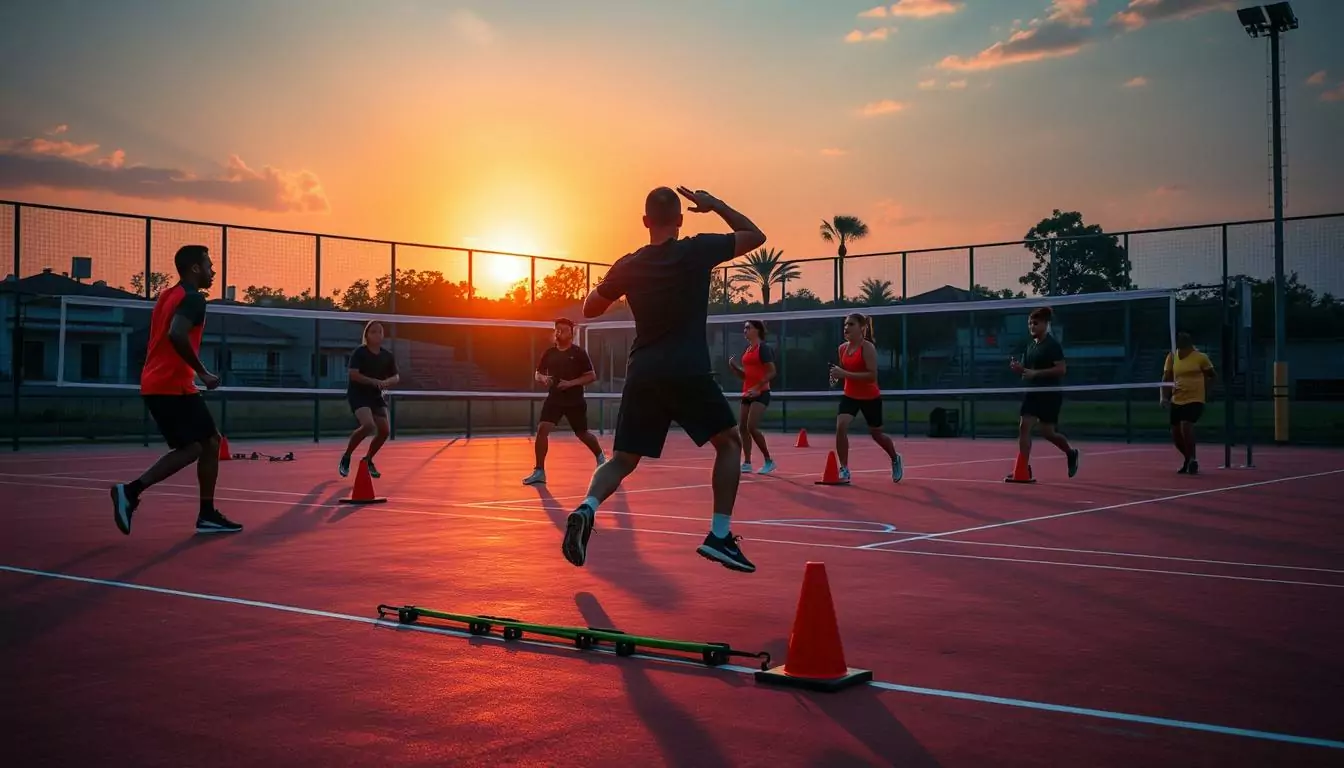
[732,668]
[1172,558]
[1106,508]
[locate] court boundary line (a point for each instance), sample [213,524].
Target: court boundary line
[1174,558]
[1108,507]
[786,542]
[882,685]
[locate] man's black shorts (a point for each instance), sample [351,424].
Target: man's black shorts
[1043,405]
[375,404]
[1189,412]
[871,409]
[650,405]
[553,409]
[183,420]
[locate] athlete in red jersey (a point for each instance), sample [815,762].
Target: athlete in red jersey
[756,371]
[167,384]
[858,369]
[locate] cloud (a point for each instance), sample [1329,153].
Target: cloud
[57,130]
[1063,32]
[862,37]
[956,85]
[1136,82]
[883,107]
[833,152]
[927,85]
[890,212]
[466,25]
[923,9]
[1140,13]
[1334,94]
[1317,78]
[42,163]
[880,12]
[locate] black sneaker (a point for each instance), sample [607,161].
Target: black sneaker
[344,467]
[1194,467]
[578,528]
[1185,468]
[725,552]
[214,522]
[123,507]
[1073,462]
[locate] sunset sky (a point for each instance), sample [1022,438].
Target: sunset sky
[539,126]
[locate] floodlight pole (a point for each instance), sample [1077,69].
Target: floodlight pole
[1280,294]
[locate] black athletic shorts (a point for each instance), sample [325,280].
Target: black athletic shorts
[183,420]
[763,399]
[375,404]
[650,405]
[1189,412]
[1043,405]
[871,409]
[552,410]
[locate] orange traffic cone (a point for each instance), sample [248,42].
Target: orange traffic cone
[224,454]
[802,439]
[832,474]
[816,657]
[363,487]
[1021,472]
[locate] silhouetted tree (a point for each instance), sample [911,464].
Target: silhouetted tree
[1073,257]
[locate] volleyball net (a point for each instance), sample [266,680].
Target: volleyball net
[284,370]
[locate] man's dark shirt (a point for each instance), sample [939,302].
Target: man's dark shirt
[1042,355]
[565,365]
[667,287]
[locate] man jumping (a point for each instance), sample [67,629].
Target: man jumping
[669,376]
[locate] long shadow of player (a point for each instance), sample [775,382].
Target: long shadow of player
[303,515]
[626,570]
[684,742]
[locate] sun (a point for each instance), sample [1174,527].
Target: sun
[497,273]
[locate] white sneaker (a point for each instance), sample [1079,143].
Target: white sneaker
[746,468]
[537,477]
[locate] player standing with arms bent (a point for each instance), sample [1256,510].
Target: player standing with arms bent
[565,369]
[167,384]
[669,375]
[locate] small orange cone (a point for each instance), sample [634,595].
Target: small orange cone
[832,474]
[224,454]
[816,657]
[1021,472]
[363,487]
[802,439]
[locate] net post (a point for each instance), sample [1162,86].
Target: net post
[392,309]
[317,340]
[973,332]
[1247,327]
[1229,366]
[60,347]
[16,335]
[905,354]
[1129,400]
[149,264]
[225,359]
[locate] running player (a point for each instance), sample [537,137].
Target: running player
[1042,366]
[167,384]
[669,375]
[372,371]
[756,371]
[565,369]
[858,369]
[1189,370]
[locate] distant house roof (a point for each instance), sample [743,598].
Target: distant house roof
[48,283]
[948,293]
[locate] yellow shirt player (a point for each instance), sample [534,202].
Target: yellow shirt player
[1190,371]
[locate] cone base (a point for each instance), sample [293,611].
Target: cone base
[830,482]
[778,676]
[1027,481]
[363,501]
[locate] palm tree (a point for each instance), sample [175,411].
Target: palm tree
[876,292]
[764,268]
[842,229]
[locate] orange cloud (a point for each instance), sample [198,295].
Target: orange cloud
[57,130]
[1140,13]
[883,107]
[1136,82]
[41,163]
[1334,94]
[927,85]
[1317,78]
[923,9]
[880,12]
[861,37]
[1064,32]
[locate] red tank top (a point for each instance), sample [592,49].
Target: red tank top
[753,370]
[851,359]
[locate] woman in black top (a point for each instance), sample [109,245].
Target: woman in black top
[372,371]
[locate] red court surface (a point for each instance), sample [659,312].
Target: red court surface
[1128,616]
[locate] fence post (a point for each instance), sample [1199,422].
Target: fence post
[972,333]
[15,335]
[317,342]
[905,353]
[225,359]
[149,264]
[392,308]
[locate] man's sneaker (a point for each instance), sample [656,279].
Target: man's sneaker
[214,522]
[123,507]
[1194,467]
[537,476]
[1185,468]
[1073,462]
[373,471]
[345,465]
[897,469]
[769,467]
[578,528]
[746,468]
[725,552]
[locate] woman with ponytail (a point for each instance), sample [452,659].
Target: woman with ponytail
[858,369]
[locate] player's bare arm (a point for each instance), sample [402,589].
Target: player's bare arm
[749,236]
